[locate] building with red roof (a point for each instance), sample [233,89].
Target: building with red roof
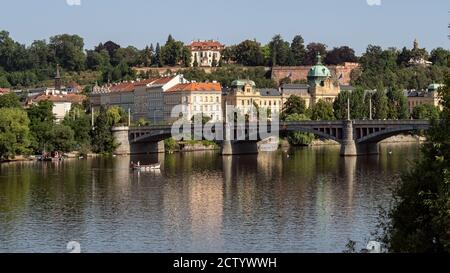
[206,53]
[203,98]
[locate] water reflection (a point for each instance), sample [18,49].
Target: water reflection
[289,201]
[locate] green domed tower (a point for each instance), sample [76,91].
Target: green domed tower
[318,73]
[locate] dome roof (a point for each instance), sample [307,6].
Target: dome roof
[319,70]
[242,83]
[434,87]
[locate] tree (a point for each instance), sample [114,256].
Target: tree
[279,51]
[116,115]
[14,133]
[80,123]
[62,138]
[10,100]
[311,53]
[380,105]
[440,56]
[293,105]
[299,138]
[426,111]
[159,60]
[102,139]
[340,55]
[146,57]
[322,110]
[129,56]
[41,124]
[69,51]
[340,105]
[397,104]
[249,53]
[419,219]
[109,46]
[298,51]
[97,60]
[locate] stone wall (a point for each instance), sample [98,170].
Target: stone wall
[300,73]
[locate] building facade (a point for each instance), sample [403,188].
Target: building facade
[206,53]
[196,99]
[429,96]
[149,98]
[244,96]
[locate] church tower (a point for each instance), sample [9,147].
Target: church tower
[58,79]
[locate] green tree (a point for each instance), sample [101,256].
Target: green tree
[41,125]
[426,111]
[340,105]
[279,51]
[14,133]
[102,139]
[440,56]
[62,138]
[10,100]
[397,104]
[340,55]
[80,123]
[298,51]
[312,50]
[293,105]
[249,53]
[322,110]
[116,115]
[69,51]
[380,105]
[299,138]
[419,219]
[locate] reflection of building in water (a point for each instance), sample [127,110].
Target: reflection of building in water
[267,164]
[206,208]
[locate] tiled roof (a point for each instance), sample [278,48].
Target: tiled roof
[206,45]
[4,90]
[73,98]
[196,87]
[122,87]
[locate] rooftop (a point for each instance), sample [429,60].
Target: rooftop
[201,86]
[73,98]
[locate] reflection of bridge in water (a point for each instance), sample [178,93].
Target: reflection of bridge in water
[356,137]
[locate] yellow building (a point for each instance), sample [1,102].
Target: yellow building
[244,95]
[429,96]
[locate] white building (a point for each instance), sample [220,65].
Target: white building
[197,99]
[206,53]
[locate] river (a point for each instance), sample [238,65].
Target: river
[302,200]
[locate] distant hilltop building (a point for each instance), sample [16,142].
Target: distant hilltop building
[418,56]
[206,53]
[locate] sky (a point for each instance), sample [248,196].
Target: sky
[355,23]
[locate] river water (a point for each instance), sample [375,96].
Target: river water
[302,200]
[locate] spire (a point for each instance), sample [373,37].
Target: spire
[57,78]
[318,58]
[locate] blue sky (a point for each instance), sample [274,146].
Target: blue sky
[141,22]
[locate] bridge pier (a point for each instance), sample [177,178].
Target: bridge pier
[348,144]
[126,147]
[239,147]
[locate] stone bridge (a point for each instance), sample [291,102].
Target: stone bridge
[357,137]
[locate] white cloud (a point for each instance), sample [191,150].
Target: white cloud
[73,2]
[374,2]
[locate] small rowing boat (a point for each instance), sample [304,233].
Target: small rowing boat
[144,168]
